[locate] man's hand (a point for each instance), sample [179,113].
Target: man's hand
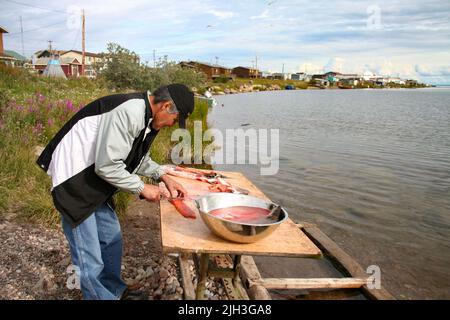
[176,190]
[150,193]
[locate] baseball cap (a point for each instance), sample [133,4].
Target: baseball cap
[184,101]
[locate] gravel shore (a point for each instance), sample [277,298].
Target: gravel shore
[35,260]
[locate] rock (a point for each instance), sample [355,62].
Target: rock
[158,292]
[64,262]
[163,273]
[171,289]
[46,284]
[179,290]
[139,277]
[170,280]
[149,272]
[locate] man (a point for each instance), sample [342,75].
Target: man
[101,149]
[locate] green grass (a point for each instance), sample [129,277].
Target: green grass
[32,109]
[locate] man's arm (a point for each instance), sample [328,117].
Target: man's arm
[150,168]
[117,132]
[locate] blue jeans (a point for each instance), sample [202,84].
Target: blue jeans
[96,249]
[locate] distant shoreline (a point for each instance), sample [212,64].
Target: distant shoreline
[221,93]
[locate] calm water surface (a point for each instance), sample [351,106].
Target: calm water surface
[370,167]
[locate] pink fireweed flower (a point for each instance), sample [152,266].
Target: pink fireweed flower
[37,129]
[69,105]
[40,97]
[50,122]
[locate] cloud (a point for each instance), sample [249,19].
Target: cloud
[413,40]
[221,14]
[440,71]
[334,64]
[263,15]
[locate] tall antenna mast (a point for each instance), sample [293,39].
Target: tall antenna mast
[21,35]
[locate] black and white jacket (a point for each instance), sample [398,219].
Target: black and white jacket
[102,148]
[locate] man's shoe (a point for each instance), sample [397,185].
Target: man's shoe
[134,295]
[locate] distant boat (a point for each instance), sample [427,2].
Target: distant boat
[345,87]
[289,87]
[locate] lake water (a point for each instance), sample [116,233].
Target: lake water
[370,167]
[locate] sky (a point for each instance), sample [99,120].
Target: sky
[410,39]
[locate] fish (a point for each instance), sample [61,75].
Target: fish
[183,207]
[210,182]
[244,214]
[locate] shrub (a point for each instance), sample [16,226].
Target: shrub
[123,69]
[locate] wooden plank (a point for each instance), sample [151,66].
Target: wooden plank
[249,274]
[186,279]
[311,283]
[344,262]
[179,234]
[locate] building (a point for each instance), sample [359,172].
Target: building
[301,76]
[279,76]
[245,72]
[212,71]
[71,57]
[90,60]
[4,57]
[70,66]
[411,83]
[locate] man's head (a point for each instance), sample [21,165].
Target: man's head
[170,103]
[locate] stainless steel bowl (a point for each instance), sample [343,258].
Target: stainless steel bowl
[242,232]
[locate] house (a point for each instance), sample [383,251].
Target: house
[411,83]
[71,66]
[396,80]
[245,72]
[280,76]
[4,57]
[212,71]
[90,60]
[20,59]
[69,56]
[301,76]
[266,74]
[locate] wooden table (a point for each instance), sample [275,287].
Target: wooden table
[188,236]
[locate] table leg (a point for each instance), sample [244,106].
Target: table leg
[203,274]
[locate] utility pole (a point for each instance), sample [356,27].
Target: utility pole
[217,61]
[256,66]
[83,45]
[50,45]
[154,58]
[21,35]
[282,70]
